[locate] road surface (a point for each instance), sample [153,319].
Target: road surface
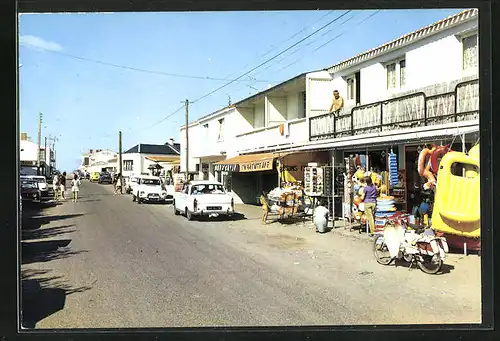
[107,262]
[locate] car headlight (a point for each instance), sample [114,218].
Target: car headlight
[142,193]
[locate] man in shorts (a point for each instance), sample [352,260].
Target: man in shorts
[62,180]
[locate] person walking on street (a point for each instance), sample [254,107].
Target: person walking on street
[118,183]
[369,198]
[56,186]
[63,185]
[75,187]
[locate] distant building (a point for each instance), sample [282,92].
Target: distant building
[98,159]
[139,158]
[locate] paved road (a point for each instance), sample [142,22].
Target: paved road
[106,262]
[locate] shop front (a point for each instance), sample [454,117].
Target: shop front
[247,176]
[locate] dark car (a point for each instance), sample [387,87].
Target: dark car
[105,178]
[30,193]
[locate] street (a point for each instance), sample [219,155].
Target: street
[107,262]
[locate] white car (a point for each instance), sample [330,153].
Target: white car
[41,183]
[203,198]
[148,189]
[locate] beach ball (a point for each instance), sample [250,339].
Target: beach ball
[354,209]
[361,207]
[357,200]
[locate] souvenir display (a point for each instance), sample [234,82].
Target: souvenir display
[314,181]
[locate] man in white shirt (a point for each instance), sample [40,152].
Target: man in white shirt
[320,218]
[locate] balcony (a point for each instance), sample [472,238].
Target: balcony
[408,111]
[294,132]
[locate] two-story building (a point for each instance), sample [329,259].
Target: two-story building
[417,89]
[29,153]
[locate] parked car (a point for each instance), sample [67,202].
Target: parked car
[46,193]
[94,177]
[29,191]
[203,198]
[148,189]
[105,178]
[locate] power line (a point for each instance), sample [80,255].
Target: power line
[327,42]
[272,58]
[145,70]
[290,38]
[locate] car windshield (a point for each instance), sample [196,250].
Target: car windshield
[207,189]
[152,182]
[28,184]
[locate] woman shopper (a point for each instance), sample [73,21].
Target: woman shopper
[62,180]
[118,184]
[75,187]
[369,198]
[56,186]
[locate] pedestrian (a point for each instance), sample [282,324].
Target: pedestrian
[337,103]
[55,186]
[118,185]
[62,180]
[75,187]
[369,197]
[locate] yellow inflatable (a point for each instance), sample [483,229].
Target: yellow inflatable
[457,199]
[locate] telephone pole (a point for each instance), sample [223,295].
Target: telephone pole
[39,138]
[187,139]
[120,159]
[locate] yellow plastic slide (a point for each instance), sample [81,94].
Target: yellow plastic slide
[457,200]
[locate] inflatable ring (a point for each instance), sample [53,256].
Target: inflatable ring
[423,160]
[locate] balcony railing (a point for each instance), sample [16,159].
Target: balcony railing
[269,137]
[416,109]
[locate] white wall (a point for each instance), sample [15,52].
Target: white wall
[194,143]
[276,110]
[293,106]
[435,59]
[259,115]
[28,150]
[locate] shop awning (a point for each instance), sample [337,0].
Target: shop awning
[248,163]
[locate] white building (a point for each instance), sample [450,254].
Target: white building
[139,158]
[418,87]
[99,159]
[29,158]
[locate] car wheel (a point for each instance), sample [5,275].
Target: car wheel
[189,215]
[176,212]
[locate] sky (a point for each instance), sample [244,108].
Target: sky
[92,75]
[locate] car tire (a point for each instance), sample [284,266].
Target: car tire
[189,215]
[176,212]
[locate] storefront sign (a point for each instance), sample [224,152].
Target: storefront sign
[226,168]
[256,166]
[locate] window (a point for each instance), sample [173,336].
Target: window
[302,114]
[396,74]
[351,88]
[221,130]
[402,73]
[470,52]
[128,165]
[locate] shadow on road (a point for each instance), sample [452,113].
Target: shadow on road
[234,217]
[30,234]
[46,251]
[37,221]
[43,296]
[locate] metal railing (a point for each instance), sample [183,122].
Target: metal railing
[411,110]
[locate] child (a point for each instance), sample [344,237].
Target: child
[75,187]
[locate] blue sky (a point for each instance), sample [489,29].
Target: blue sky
[85,104]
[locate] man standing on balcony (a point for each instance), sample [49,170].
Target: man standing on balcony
[337,103]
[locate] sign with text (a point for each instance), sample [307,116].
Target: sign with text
[257,166]
[226,168]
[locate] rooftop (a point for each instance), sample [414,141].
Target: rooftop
[406,39]
[156,149]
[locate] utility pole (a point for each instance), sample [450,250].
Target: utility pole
[120,159]
[187,139]
[39,138]
[45,158]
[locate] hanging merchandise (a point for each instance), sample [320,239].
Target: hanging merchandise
[393,169]
[314,181]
